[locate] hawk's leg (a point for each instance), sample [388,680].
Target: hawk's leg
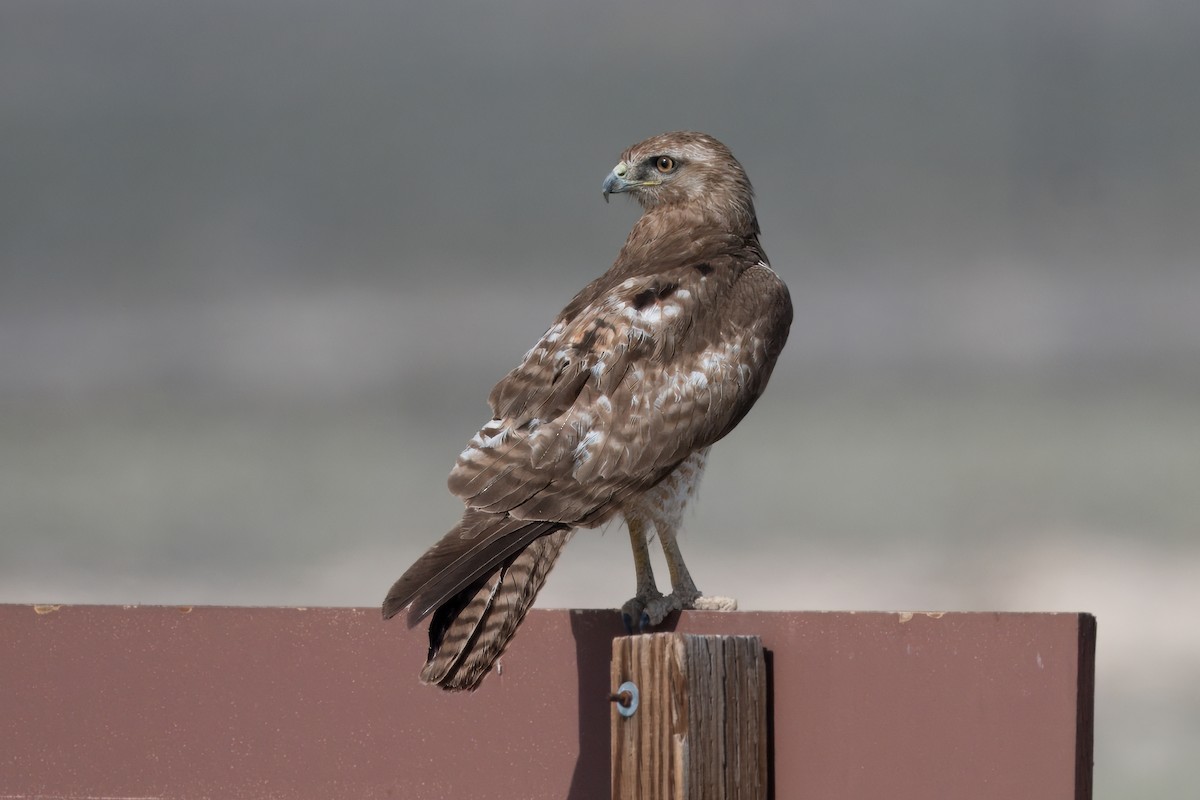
[650,607]
[633,613]
[684,594]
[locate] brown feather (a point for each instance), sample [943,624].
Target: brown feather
[650,363]
[479,543]
[464,645]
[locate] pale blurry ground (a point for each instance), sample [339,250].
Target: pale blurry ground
[259,269]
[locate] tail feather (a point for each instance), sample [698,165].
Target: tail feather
[468,634]
[478,543]
[455,626]
[478,581]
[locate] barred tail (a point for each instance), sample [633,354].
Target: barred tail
[478,582]
[472,630]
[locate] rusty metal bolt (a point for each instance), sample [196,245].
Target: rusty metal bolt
[626,698]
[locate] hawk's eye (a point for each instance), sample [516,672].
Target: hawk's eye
[665,164]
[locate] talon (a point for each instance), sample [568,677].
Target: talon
[645,622]
[628,620]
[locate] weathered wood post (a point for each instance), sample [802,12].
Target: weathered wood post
[689,718]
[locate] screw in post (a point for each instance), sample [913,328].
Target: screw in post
[626,698]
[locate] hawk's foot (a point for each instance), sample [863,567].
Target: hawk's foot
[636,611]
[648,611]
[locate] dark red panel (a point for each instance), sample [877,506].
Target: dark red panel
[100,701]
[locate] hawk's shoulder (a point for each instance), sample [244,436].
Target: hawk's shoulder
[635,374]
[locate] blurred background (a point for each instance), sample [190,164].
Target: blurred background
[261,263]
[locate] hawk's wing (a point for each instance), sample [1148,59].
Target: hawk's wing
[632,378]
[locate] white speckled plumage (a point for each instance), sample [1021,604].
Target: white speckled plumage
[612,412]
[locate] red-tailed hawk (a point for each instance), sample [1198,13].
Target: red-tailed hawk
[612,412]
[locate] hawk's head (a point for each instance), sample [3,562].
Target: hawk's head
[682,168]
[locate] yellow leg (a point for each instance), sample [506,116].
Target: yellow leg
[646,587]
[684,593]
[634,611]
[681,579]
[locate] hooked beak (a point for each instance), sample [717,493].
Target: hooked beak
[616,182]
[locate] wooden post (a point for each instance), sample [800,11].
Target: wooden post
[699,725]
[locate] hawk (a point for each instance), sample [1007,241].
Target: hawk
[612,413]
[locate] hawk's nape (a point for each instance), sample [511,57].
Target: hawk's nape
[611,413]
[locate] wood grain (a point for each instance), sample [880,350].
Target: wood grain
[700,727]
